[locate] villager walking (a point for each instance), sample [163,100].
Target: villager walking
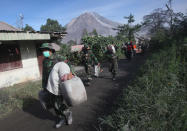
[130,51]
[113,60]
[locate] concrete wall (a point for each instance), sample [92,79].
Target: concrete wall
[30,70]
[23,36]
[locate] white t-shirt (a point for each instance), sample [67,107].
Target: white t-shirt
[59,70]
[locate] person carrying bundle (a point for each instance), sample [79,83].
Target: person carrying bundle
[54,100]
[113,60]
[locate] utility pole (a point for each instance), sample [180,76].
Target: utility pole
[171,14]
[20,21]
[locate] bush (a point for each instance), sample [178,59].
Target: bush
[98,45]
[75,58]
[157,100]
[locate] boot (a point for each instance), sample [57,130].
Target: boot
[68,116]
[60,123]
[87,83]
[89,78]
[113,77]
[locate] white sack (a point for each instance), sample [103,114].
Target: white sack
[97,70]
[73,91]
[113,49]
[59,69]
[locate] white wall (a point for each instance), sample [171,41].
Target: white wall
[30,70]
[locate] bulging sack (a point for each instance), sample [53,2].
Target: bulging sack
[73,91]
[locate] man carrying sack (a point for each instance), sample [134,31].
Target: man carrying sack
[55,99]
[113,60]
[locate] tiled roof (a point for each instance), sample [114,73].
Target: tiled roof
[76,48]
[6,27]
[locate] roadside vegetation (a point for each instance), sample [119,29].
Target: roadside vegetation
[157,98]
[18,97]
[98,45]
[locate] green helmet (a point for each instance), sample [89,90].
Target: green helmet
[47,46]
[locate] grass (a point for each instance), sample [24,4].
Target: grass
[15,97]
[157,100]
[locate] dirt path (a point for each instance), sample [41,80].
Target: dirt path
[101,94]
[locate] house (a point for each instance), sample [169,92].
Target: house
[76,48]
[20,57]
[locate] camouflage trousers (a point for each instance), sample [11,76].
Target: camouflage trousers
[113,67]
[59,106]
[88,70]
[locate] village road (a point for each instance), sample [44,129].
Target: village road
[101,94]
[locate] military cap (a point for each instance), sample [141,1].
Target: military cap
[46,46]
[51,46]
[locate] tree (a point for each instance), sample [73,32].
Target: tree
[172,18]
[84,33]
[71,42]
[94,32]
[128,29]
[155,21]
[130,18]
[161,19]
[180,28]
[170,14]
[28,28]
[52,26]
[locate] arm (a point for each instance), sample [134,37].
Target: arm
[95,59]
[44,76]
[71,68]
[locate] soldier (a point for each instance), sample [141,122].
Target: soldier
[112,58]
[55,101]
[89,60]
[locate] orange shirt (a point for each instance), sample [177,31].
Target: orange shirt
[134,46]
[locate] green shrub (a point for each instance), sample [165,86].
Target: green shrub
[75,58]
[98,45]
[157,100]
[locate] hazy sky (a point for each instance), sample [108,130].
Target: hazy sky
[36,12]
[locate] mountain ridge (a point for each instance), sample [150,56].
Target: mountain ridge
[89,21]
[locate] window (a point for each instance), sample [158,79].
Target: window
[10,57]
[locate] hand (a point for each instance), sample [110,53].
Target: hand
[67,77]
[66,61]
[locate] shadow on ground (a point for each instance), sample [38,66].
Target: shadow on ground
[35,109]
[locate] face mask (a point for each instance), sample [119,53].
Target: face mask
[46,53]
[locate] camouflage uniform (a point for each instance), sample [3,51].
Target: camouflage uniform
[89,60]
[55,102]
[113,60]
